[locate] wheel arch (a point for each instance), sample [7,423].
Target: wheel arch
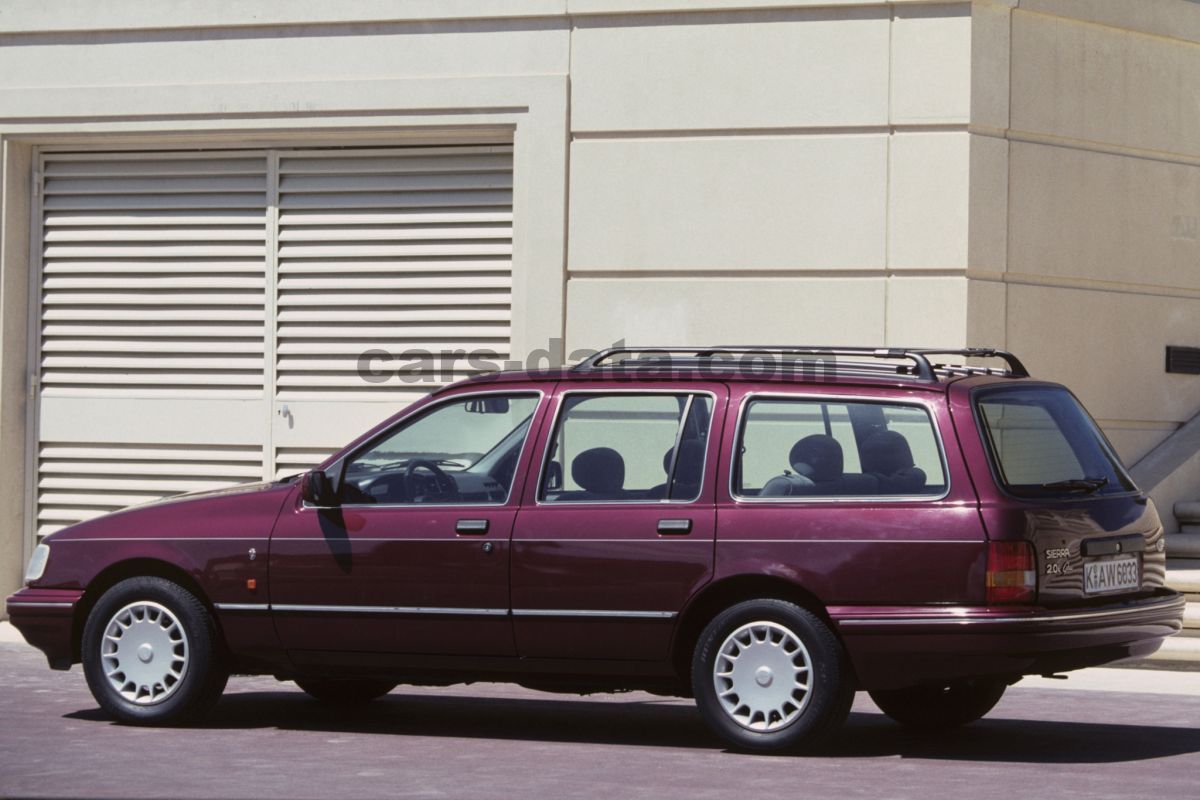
[719,595]
[113,574]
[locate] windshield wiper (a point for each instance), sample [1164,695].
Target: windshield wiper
[1085,485]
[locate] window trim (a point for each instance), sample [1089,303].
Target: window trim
[739,430]
[432,406]
[989,455]
[665,392]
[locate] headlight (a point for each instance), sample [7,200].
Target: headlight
[37,563]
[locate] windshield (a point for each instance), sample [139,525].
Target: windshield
[1042,443]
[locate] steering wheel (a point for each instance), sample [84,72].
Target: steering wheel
[444,485]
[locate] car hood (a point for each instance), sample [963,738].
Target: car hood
[244,510]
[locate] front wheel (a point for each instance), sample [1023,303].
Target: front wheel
[345,691]
[151,653]
[769,675]
[940,707]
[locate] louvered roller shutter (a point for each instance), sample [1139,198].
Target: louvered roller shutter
[399,250]
[153,318]
[153,276]
[203,314]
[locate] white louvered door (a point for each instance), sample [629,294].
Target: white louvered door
[188,299]
[388,250]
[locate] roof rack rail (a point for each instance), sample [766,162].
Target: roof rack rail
[921,367]
[1015,368]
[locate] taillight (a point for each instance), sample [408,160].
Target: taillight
[1011,573]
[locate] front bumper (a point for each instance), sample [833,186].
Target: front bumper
[896,647]
[46,618]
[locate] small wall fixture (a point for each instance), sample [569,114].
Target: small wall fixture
[1185,360]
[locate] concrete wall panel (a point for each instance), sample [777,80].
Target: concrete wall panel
[926,312]
[1101,84]
[1108,347]
[785,69]
[1103,217]
[689,311]
[264,55]
[927,200]
[931,64]
[728,203]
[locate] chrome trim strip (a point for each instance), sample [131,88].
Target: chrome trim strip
[659,540]
[162,539]
[470,612]
[739,430]
[242,606]
[27,604]
[980,542]
[556,612]
[539,502]
[368,540]
[1098,615]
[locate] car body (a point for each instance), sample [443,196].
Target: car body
[540,541]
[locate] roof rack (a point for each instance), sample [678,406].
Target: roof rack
[921,366]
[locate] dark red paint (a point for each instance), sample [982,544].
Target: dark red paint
[901,583]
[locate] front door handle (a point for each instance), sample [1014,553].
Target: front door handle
[674,527]
[472,527]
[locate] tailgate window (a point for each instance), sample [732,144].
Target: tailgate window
[1042,443]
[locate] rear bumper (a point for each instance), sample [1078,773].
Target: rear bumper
[896,647]
[46,618]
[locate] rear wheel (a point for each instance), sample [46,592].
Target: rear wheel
[940,707]
[769,675]
[151,653]
[345,691]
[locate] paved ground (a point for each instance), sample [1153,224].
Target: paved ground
[267,740]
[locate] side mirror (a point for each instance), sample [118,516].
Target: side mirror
[317,490]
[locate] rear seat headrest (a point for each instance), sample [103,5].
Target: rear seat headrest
[818,457]
[886,453]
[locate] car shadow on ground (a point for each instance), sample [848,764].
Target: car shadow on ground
[670,723]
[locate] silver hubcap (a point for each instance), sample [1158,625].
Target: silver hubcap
[762,676]
[144,653]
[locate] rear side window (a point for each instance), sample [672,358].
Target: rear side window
[628,448]
[811,448]
[1042,443]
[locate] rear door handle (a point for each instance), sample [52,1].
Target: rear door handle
[675,527]
[472,527]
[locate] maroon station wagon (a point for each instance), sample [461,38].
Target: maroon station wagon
[767,530]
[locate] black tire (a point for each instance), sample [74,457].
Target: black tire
[202,676]
[345,691]
[804,718]
[940,707]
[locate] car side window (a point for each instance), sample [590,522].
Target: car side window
[627,448]
[810,448]
[462,451]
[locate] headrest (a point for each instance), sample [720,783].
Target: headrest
[818,457]
[600,469]
[691,461]
[886,453]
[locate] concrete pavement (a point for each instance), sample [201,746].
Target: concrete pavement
[268,740]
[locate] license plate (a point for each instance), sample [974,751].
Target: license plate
[1111,575]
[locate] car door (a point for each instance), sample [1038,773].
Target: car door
[616,532]
[414,558]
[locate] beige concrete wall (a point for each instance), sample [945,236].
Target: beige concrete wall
[777,175]
[1085,195]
